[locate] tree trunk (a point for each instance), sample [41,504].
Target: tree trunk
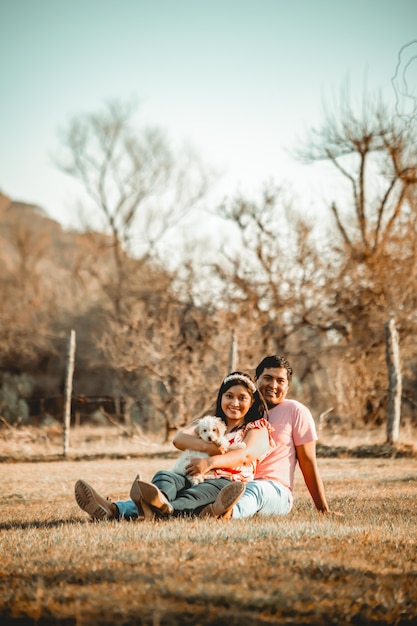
[394,381]
[233,358]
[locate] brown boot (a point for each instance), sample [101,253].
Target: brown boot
[149,494]
[222,507]
[93,503]
[144,510]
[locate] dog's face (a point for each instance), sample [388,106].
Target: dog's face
[210,428]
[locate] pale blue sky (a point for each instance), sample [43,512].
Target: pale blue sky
[238,79]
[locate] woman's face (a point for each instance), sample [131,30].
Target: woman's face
[236,402]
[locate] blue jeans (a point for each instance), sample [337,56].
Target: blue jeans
[184,497]
[263,497]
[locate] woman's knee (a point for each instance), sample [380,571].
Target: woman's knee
[163,475]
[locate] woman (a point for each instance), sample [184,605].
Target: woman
[241,407]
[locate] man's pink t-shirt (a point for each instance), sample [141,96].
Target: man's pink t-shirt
[293,425]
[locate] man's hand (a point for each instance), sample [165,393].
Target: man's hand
[198,466]
[332,513]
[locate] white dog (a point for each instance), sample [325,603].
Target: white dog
[213,430]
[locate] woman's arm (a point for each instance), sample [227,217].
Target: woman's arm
[257,444]
[185,439]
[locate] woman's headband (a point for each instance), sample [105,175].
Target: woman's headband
[242,378]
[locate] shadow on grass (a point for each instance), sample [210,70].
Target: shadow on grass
[51,458]
[38,524]
[385,450]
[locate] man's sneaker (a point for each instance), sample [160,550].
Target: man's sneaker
[149,494]
[222,507]
[93,503]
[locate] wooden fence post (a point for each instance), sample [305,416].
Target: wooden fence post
[394,381]
[68,392]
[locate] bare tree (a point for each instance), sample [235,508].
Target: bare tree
[165,353]
[271,279]
[374,153]
[142,189]
[134,180]
[405,99]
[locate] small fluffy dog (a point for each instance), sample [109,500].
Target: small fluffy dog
[213,430]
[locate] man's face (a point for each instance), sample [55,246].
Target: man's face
[273,384]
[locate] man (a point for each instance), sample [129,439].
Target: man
[295,437]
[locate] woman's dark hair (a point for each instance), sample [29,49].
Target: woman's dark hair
[259,406]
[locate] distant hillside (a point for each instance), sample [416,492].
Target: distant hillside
[4,202]
[26,231]
[51,280]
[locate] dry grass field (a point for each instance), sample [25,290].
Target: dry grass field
[57,567]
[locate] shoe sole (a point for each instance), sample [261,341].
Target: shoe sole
[86,500]
[150,495]
[228,497]
[144,511]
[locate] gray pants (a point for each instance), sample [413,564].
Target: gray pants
[187,499]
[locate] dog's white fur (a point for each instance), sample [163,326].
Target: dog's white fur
[213,430]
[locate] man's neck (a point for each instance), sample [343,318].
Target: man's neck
[272,406]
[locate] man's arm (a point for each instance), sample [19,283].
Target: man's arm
[306,454]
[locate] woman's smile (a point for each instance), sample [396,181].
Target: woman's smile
[236,402]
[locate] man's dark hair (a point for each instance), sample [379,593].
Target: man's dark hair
[274,361]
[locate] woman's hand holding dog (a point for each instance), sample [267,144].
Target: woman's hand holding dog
[185,441]
[218,449]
